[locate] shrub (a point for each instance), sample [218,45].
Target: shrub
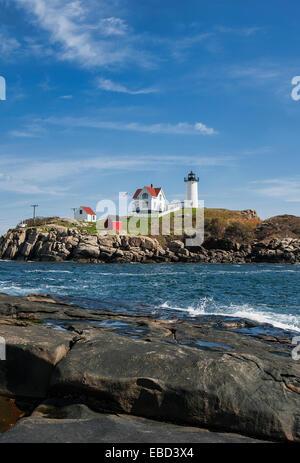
[239,231]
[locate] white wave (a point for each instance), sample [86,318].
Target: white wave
[59,287]
[207,306]
[250,272]
[18,291]
[47,271]
[137,274]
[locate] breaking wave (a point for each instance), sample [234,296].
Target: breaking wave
[207,306]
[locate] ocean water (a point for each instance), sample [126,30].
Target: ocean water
[263,292]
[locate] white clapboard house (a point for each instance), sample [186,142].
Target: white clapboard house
[149,199]
[86,214]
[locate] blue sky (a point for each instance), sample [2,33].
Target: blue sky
[108,96]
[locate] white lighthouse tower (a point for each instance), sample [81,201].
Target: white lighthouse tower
[192,190]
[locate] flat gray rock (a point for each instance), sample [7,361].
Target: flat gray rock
[200,373]
[79,424]
[233,391]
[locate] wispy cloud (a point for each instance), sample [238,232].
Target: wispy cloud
[44,177]
[113,26]
[109,86]
[258,72]
[181,128]
[210,40]
[203,129]
[29,131]
[286,189]
[246,31]
[257,151]
[22,134]
[66,97]
[46,85]
[8,45]
[182,44]
[79,33]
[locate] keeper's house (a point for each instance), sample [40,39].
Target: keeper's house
[149,199]
[85,214]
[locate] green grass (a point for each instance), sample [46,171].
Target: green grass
[219,223]
[220,217]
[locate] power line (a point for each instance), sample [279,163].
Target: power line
[34,209]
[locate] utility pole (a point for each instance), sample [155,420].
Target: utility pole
[73,209]
[34,208]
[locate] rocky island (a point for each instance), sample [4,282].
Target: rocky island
[230,237]
[102,376]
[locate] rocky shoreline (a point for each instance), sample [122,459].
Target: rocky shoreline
[102,376]
[61,244]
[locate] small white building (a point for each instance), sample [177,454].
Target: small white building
[86,214]
[149,199]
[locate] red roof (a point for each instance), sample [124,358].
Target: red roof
[88,210]
[153,191]
[137,193]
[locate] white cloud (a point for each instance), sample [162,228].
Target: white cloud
[30,131]
[203,129]
[4,177]
[242,31]
[21,134]
[113,26]
[44,177]
[211,40]
[287,190]
[34,46]
[255,72]
[8,45]
[79,32]
[182,128]
[191,40]
[109,86]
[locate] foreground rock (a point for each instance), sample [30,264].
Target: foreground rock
[31,355]
[61,243]
[230,391]
[200,373]
[79,424]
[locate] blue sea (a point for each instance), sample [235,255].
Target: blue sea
[265,293]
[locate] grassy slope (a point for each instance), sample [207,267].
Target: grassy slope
[219,224]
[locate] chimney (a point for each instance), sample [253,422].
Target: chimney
[151,185]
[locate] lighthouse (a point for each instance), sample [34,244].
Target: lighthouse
[192,190]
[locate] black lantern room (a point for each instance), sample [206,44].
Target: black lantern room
[191,177]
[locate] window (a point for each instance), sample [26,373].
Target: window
[80,211]
[145,196]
